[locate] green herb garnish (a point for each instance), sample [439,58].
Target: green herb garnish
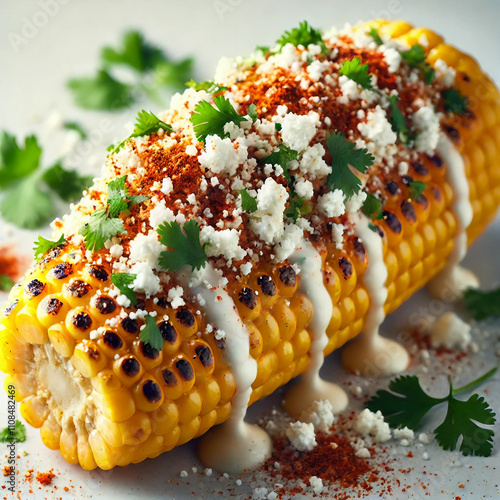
[398,121]
[43,246]
[5,283]
[208,86]
[210,120]
[372,207]
[376,37]
[416,189]
[357,72]
[184,246]
[248,203]
[407,404]
[77,128]
[18,435]
[68,184]
[344,154]
[118,198]
[17,162]
[100,229]
[303,35]
[146,123]
[454,101]
[122,281]
[481,304]
[151,334]
[282,157]
[297,207]
[252,112]
[415,57]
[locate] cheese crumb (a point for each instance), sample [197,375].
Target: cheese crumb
[369,423]
[301,436]
[222,155]
[332,204]
[450,331]
[320,414]
[426,123]
[377,128]
[297,131]
[166,185]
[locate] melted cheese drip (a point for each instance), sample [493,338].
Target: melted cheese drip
[452,280]
[234,445]
[371,354]
[311,387]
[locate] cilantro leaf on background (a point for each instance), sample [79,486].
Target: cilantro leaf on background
[173,74]
[210,120]
[42,246]
[297,207]
[454,101]
[68,184]
[343,155]
[101,92]
[19,434]
[248,203]
[398,120]
[252,112]
[372,207]
[481,304]
[185,247]
[146,124]
[122,281]
[303,35]
[208,86]
[376,37]
[118,198]
[416,189]
[357,72]
[5,283]
[150,334]
[100,228]
[77,128]
[16,161]
[407,404]
[282,157]
[415,57]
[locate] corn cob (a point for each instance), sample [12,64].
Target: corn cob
[105,398]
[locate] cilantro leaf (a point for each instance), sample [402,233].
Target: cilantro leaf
[68,184]
[210,120]
[303,35]
[208,85]
[42,246]
[151,334]
[122,281]
[297,207]
[343,155]
[185,247]
[118,198]
[146,124]
[248,203]
[454,101]
[481,304]
[415,57]
[18,433]
[173,74]
[5,283]
[77,128]
[416,189]
[282,157]
[357,72]
[372,207]
[100,228]
[398,120]
[459,421]
[17,162]
[376,37]
[252,112]
[101,92]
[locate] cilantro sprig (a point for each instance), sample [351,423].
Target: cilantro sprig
[416,189]
[357,72]
[208,86]
[415,57]
[27,188]
[43,246]
[248,203]
[303,35]
[150,334]
[210,120]
[17,434]
[122,281]
[372,207]
[184,247]
[407,404]
[153,72]
[398,121]
[344,154]
[376,37]
[454,101]
[147,123]
[5,283]
[481,304]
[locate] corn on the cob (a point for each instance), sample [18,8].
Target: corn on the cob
[106,398]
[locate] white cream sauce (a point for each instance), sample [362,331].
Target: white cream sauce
[234,445]
[311,387]
[452,280]
[369,353]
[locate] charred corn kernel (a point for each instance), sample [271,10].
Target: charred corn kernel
[136,429]
[34,291]
[332,283]
[29,327]
[61,340]
[60,273]
[286,280]
[170,382]
[184,321]
[103,306]
[34,410]
[285,318]
[68,442]
[347,274]
[171,339]
[148,394]
[112,344]
[183,370]
[165,418]
[88,359]
[248,303]
[97,275]
[51,310]
[80,323]
[269,329]
[8,315]
[202,358]
[50,432]
[149,357]
[128,370]
[77,292]
[265,285]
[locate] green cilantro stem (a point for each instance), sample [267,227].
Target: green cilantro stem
[475,383]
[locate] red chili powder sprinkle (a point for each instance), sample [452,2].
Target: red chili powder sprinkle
[9,262]
[45,478]
[7,470]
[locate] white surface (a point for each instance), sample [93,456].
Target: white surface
[66,44]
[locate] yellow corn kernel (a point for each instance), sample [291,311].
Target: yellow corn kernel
[269,329]
[189,406]
[29,327]
[50,432]
[101,450]
[303,309]
[255,338]
[202,358]
[112,343]
[113,400]
[136,429]
[210,394]
[285,318]
[34,410]
[68,442]
[247,302]
[61,340]
[80,323]
[149,357]
[148,394]
[189,430]
[88,359]
[227,386]
[184,321]
[165,418]
[77,292]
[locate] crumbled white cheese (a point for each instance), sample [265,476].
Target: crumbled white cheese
[377,128]
[450,331]
[166,185]
[316,485]
[304,188]
[338,235]
[403,168]
[369,423]
[297,131]
[404,434]
[146,280]
[246,268]
[160,214]
[426,123]
[316,69]
[191,199]
[222,155]
[301,436]
[445,73]
[355,202]
[116,251]
[349,88]
[392,57]
[175,297]
[146,248]
[332,204]
[225,243]
[320,414]
[312,163]
[191,150]
[292,235]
